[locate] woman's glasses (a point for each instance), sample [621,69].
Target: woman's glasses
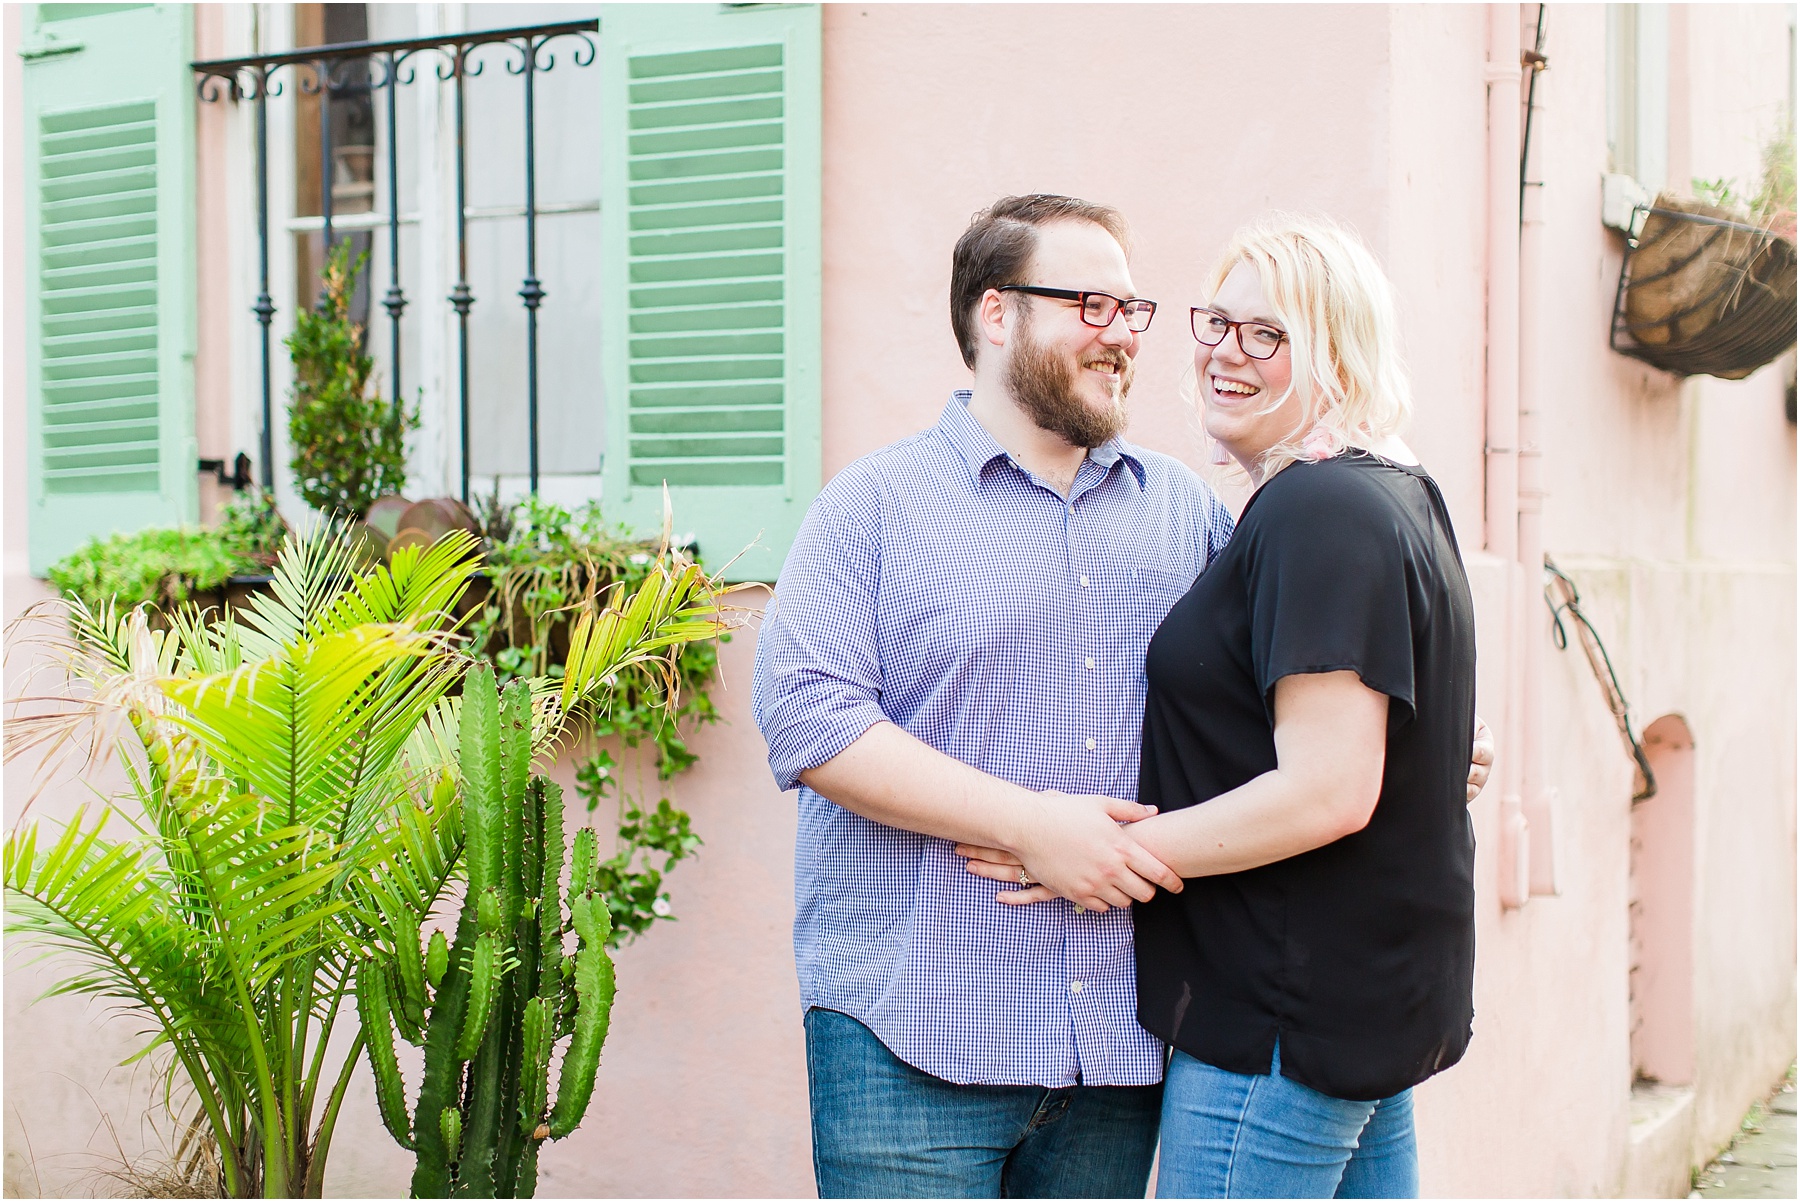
[1257,339]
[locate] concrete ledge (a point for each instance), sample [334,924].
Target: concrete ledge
[1662,1134]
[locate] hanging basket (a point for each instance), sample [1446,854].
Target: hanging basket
[1703,293]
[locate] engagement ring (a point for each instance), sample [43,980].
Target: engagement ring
[1025,881]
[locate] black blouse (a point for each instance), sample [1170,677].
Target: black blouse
[1359,955]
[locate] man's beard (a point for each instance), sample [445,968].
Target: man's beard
[1042,382]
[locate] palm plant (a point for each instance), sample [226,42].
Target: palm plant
[284,768]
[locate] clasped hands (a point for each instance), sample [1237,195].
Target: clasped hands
[1081,847]
[1076,848]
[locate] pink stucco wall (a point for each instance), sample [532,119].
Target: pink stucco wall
[213,197]
[1671,503]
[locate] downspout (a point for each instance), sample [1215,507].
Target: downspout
[1502,74]
[1537,803]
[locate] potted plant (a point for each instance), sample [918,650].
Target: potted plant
[541,564]
[166,566]
[490,1008]
[349,443]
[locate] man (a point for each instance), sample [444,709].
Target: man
[957,637]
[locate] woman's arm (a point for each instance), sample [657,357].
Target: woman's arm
[1330,748]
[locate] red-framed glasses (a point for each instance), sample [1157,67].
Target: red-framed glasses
[1258,339]
[1097,308]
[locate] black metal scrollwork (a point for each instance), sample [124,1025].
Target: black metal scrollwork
[385,67]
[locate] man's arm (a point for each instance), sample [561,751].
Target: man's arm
[818,691]
[1072,844]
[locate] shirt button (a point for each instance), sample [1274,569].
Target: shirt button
[1090,744]
[1074,986]
[1090,663]
[1084,582]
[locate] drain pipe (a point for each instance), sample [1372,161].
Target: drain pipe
[1536,801]
[1502,74]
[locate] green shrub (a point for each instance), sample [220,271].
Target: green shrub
[160,566]
[349,444]
[290,807]
[165,566]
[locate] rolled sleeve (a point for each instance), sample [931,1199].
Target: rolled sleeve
[818,681]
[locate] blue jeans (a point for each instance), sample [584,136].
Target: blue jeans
[883,1129]
[1231,1136]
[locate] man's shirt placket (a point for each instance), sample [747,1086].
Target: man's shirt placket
[1089,534]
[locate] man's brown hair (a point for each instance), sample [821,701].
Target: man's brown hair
[997,247]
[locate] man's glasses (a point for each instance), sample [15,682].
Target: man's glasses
[1097,308]
[1257,339]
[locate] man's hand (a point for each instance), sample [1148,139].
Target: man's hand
[1071,843]
[1073,847]
[1481,758]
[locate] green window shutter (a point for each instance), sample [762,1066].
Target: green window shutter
[711,268]
[109,271]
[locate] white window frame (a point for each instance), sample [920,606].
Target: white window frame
[1637,93]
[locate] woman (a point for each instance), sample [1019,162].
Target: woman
[1315,689]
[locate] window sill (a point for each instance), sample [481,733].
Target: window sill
[1620,197]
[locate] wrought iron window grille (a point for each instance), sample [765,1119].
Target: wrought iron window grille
[334,70]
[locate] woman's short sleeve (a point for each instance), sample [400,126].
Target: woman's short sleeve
[1329,582]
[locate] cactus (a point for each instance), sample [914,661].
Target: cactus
[437,959]
[490,1005]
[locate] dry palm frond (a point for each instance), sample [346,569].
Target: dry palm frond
[103,668]
[189,1169]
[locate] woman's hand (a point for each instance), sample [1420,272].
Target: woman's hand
[998,865]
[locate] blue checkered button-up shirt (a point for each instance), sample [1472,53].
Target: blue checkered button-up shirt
[937,585]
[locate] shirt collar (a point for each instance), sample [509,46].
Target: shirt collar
[967,436]
[1115,449]
[978,449]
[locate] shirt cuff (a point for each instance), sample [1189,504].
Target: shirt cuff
[803,733]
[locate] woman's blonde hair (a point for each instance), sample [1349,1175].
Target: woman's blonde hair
[1337,307]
